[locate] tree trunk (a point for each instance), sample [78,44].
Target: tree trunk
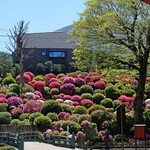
[138,102]
[21,73]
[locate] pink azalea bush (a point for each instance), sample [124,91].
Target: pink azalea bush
[67,97]
[76,98]
[39,86]
[86,103]
[3,100]
[69,80]
[2,95]
[54,85]
[30,74]
[38,93]
[32,106]
[53,80]
[99,85]
[79,82]
[63,116]
[16,112]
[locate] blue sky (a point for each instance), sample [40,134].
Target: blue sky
[43,15]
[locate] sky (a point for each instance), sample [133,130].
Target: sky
[43,15]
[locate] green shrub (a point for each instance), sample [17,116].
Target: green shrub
[60,75]
[5,118]
[86,89]
[66,108]
[80,110]
[60,82]
[128,92]
[86,96]
[43,123]
[46,90]
[146,116]
[8,80]
[54,91]
[34,115]
[84,117]
[119,85]
[147,90]
[74,117]
[26,121]
[99,91]
[24,116]
[4,91]
[10,94]
[7,147]
[14,88]
[15,122]
[107,102]
[3,107]
[112,92]
[1,79]
[96,107]
[97,97]
[25,100]
[64,133]
[28,88]
[51,106]
[116,103]
[73,126]
[76,91]
[99,117]
[38,78]
[52,116]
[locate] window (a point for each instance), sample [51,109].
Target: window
[43,53]
[56,54]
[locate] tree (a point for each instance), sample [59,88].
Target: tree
[48,66]
[18,40]
[120,30]
[5,64]
[39,68]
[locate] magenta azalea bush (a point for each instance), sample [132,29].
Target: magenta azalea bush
[14,100]
[69,80]
[63,116]
[32,106]
[76,98]
[67,88]
[87,103]
[79,82]
[3,100]
[99,85]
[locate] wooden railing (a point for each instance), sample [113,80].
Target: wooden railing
[12,139]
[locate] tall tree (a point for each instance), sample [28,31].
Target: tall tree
[18,40]
[119,29]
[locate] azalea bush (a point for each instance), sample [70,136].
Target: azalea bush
[39,85]
[14,100]
[67,88]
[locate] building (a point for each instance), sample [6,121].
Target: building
[49,46]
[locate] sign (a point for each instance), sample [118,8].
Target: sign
[145,1]
[140,131]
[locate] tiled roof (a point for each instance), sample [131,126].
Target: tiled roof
[49,40]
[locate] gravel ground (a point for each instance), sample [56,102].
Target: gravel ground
[44,146]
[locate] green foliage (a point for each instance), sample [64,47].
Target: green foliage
[10,94]
[64,133]
[51,106]
[112,92]
[84,117]
[5,118]
[60,82]
[80,110]
[54,91]
[128,92]
[24,116]
[60,75]
[146,116]
[48,66]
[16,70]
[3,107]
[86,96]
[98,91]
[52,116]
[8,80]
[3,90]
[16,122]
[86,89]
[67,109]
[7,147]
[28,88]
[116,103]
[14,88]
[1,79]
[39,69]
[34,115]
[97,97]
[38,78]
[43,123]
[147,90]
[73,126]
[76,91]
[96,107]
[107,102]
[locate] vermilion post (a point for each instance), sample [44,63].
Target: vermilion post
[146,1]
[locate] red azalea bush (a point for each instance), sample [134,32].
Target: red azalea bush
[79,82]
[86,103]
[54,85]
[69,80]
[63,116]
[3,100]
[30,74]
[47,77]
[76,98]
[99,85]
[39,86]
[26,79]
[32,106]
[67,88]
[38,93]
